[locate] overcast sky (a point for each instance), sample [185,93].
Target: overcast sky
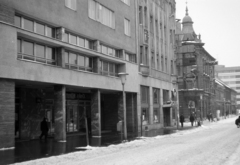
[218,22]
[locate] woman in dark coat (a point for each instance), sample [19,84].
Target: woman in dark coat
[182,119]
[191,119]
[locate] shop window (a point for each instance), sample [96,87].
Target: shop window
[144,94]
[145,116]
[42,53]
[156,96]
[156,117]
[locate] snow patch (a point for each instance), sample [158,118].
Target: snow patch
[10,148]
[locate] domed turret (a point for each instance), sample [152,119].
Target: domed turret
[187,18]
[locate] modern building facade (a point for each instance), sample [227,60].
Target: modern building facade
[195,68]
[156,45]
[62,59]
[231,77]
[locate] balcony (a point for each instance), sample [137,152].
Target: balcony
[144,70]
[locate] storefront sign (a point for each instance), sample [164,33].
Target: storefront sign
[78,96]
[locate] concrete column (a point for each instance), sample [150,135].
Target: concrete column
[150,105]
[161,107]
[96,113]
[61,57]
[60,112]
[96,65]
[7,113]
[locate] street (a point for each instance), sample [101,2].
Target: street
[212,144]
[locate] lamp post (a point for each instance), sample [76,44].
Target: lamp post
[201,107]
[123,77]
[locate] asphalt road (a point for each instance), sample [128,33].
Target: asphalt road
[216,143]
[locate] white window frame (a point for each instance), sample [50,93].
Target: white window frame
[127,2]
[101,14]
[127,27]
[71,4]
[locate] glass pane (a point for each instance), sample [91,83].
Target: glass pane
[40,51]
[19,45]
[110,51]
[17,21]
[49,32]
[40,29]
[28,48]
[86,44]
[104,49]
[88,62]
[111,67]
[28,25]
[73,39]
[81,42]
[81,60]
[66,58]
[50,54]
[105,66]
[72,58]
[66,39]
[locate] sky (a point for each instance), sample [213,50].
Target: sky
[218,22]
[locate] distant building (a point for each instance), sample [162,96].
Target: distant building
[231,77]
[195,68]
[225,98]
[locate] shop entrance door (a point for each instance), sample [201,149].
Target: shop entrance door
[75,116]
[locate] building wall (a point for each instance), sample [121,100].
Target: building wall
[231,77]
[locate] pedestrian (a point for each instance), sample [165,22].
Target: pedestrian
[211,117]
[237,122]
[182,119]
[44,128]
[192,119]
[208,117]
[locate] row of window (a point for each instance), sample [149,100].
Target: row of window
[32,51]
[36,52]
[70,38]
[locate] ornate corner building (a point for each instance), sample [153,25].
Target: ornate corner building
[195,68]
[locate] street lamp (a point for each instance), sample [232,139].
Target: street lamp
[123,77]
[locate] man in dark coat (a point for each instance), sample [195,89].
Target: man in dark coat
[181,119]
[44,128]
[237,122]
[192,119]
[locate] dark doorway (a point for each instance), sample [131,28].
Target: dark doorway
[166,116]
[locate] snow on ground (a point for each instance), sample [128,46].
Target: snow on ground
[97,152]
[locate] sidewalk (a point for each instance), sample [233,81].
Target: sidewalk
[35,149]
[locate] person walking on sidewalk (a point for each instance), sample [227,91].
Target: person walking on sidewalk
[192,119]
[44,128]
[182,119]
